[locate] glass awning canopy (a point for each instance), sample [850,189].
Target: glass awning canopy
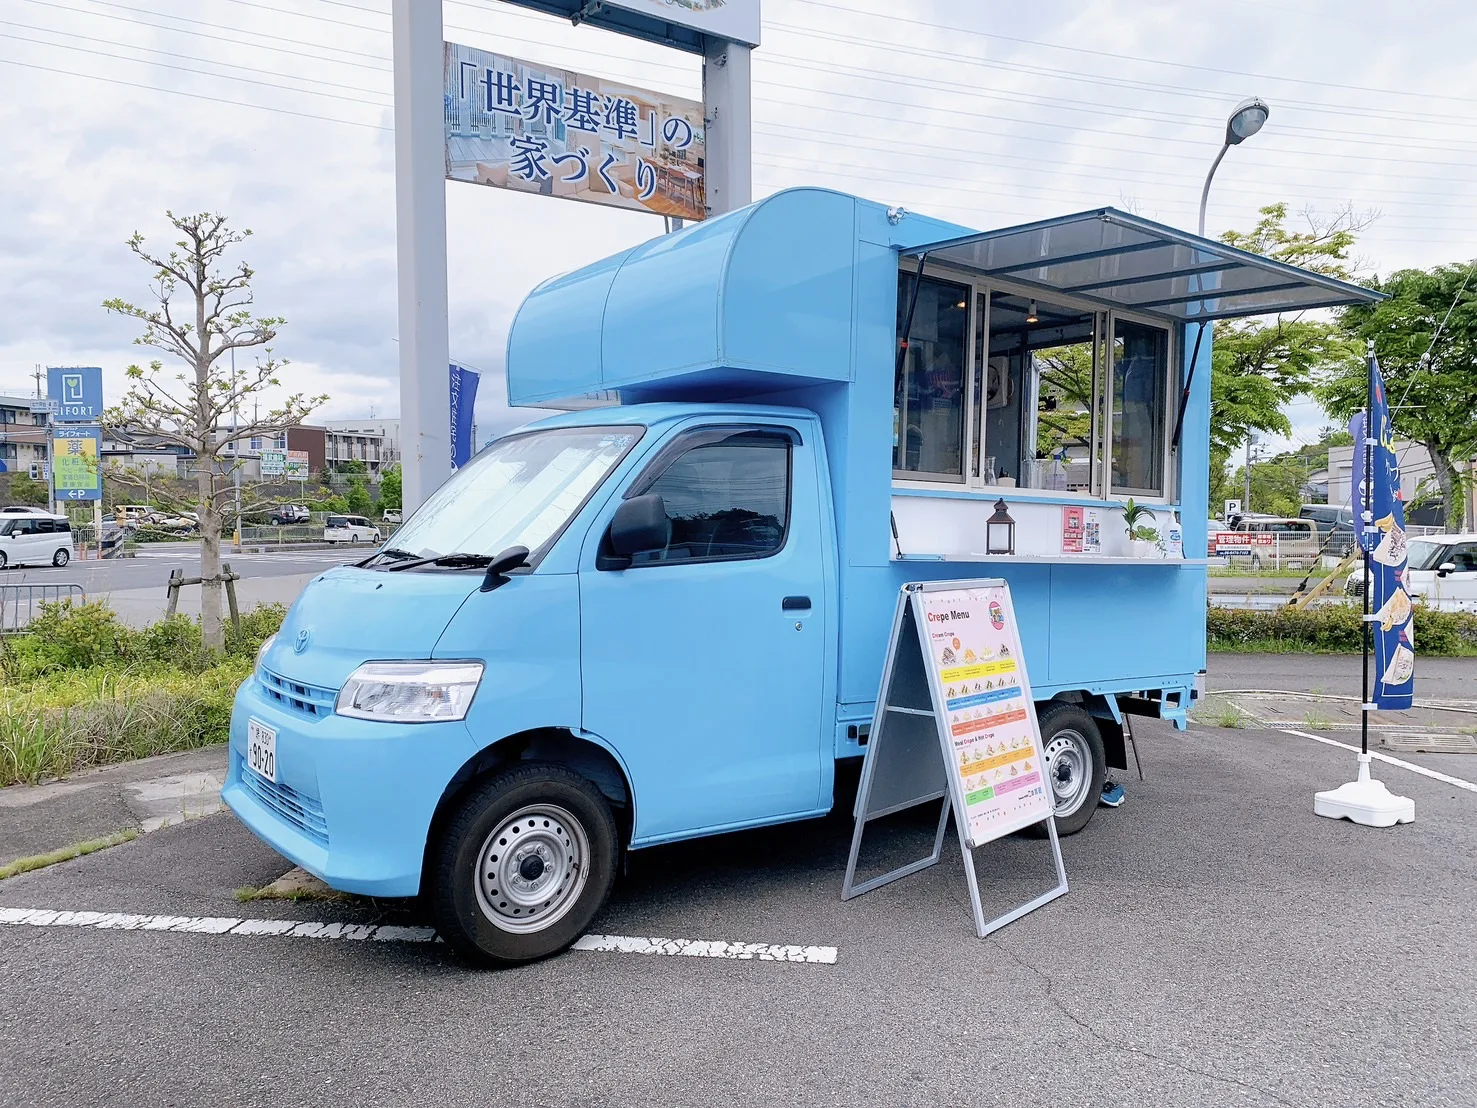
[1121,261]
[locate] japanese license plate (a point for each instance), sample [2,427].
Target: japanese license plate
[261,749]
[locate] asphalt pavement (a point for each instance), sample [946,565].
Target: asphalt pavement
[1220,945]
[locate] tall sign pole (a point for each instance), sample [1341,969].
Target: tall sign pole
[420,240]
[726,104]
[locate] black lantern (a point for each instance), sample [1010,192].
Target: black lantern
[1000,531]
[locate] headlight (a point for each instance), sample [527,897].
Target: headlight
[410,692]
[261,651]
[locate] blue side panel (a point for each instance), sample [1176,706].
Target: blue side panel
[554,340]
[787,293]
[1109,624]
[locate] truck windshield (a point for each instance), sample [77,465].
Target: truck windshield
[520,491]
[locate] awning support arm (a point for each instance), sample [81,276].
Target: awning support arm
[902,347]
[1179,420]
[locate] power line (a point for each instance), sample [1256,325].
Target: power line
[193,95]
[196,72]
[892,18]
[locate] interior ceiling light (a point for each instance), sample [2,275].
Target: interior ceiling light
[1031,316]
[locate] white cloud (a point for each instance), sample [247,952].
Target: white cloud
[958,119]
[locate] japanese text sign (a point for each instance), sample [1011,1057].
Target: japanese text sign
[512,124]
[77,392]
[981,691]
[75,451]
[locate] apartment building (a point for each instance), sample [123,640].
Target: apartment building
[22,436]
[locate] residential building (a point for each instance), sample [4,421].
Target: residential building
[22,436]
[375,442]
[1417,477]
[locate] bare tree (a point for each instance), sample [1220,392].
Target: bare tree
[195,407]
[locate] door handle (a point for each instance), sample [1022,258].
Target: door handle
[796,604]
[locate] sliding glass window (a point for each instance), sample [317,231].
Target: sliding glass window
[1140,408]
[929,396]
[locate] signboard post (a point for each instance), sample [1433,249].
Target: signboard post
[296,466]
[76,450]
[77,392]
[274,463]
[955,723]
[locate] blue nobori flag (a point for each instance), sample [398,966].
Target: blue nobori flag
[1376,485]
[463,400]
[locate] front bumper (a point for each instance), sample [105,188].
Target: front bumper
[354,799]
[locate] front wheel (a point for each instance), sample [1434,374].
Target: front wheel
[523,865]
[61,557]
[4,561]
[1076,763]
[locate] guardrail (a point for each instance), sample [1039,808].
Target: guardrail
[19,604]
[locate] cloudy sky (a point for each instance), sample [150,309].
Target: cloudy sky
[277,112]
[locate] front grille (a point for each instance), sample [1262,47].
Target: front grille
[310,700]
[298,809]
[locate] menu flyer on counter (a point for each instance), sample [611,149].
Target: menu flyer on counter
[983,690]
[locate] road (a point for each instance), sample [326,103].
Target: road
[135,587]
[1220,945]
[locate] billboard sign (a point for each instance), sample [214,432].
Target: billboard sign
[296,466]
[75,450]
[730,20]
[515,125]
[274,463]
[44,407]
[77,392]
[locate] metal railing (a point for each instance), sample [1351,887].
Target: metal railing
[20,604]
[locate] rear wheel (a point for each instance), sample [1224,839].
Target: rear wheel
[4,561]
[523,865]
[61,557]
[1076,763]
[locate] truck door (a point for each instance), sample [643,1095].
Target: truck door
[703,662]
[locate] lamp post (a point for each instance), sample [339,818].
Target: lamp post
[1246,120]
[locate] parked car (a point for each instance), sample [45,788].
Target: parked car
[392,515]
[1290,541]
[135,514]
[350,529]
[1331,520]
[285,514]
[1211,527]
[24,510]
[30,539]
[1441,573]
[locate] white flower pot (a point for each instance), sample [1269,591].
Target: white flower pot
[1143,548]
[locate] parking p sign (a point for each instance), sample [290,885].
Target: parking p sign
[75,452]
[77,392]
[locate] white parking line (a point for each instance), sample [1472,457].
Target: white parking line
[386,933]
[1422,770]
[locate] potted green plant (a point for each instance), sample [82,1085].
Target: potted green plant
[1143,539]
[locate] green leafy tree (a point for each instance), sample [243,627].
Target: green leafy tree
[1425,336]
[23,490]
[352,468]
[390,488]
[203,310]
[1258,365]
[356,497]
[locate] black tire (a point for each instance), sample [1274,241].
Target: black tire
[61,557]
[461,902]
[4,561]
[1064,723]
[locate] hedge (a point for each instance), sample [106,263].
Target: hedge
[1331,629]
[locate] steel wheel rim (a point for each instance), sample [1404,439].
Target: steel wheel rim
[532,869]
[1068,768]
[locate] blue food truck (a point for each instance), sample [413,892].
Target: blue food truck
[663,612]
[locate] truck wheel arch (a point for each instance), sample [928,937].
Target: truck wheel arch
[582,753]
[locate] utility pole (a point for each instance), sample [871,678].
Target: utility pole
[1246,500]
[236,454]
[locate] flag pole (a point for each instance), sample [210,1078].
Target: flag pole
[1366,500]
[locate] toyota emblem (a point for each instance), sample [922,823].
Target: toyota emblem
[302,640]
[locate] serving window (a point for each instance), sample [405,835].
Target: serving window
[1061,397]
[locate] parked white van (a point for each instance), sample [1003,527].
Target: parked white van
[35,540]
[349,529]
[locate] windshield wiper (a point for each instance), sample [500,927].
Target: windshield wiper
[453,561]
[393,552]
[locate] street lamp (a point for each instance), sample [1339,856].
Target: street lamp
[1246,120]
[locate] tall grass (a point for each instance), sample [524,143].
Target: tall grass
[83,690]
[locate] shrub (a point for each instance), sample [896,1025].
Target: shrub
[68,635]
[1332,628]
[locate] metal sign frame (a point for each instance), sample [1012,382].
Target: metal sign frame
[909,764]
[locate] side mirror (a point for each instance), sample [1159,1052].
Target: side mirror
[640,525]
[1445,567]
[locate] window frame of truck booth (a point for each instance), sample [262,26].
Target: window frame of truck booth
[1102,441]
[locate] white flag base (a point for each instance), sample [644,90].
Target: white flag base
[1365,801]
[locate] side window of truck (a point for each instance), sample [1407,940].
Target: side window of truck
[727,493]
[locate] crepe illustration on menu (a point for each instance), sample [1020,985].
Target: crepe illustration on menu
[969,655]
[1395,610]
[1401,666]
[947,657]
[1391,550]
